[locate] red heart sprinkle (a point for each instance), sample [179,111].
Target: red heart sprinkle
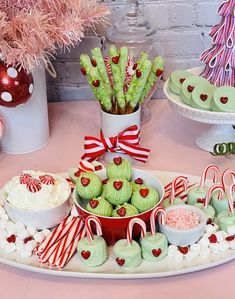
[190,88]
[85,254]
[96,83]
[138,73]
[144,192]
[135,66]
[117,185]
[229,238]
[117,160]
[85,181]
[26,240]
[209,221]
[184,249]
[156,252]
[93,203]
[213,238]
[139,181]
[77,173]
[98,167]
[93,62]
[182,80]
[201,200]
[104,182]
[223,100]
[159,72]
[120,262]
[115,59]
[83,71]
[11,239]
[121,212]
[203,97]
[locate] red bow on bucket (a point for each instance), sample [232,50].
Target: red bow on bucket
[126,142]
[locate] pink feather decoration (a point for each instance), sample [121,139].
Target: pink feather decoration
[32,30]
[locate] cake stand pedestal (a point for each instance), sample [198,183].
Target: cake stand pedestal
[222,123]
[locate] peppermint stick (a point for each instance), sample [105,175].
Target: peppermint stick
[224,175]
[205,172]
[137,85]
[123,60]
[117,79]
[88,227]
[98,57]
[132,222]
[162,212]
[99,89]
[210,191]
[154,75]
[182,179]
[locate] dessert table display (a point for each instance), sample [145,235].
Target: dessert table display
[161,136]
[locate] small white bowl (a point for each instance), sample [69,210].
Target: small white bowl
[184,237]
[41,219]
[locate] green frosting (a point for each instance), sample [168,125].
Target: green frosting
[125,210]
[225,220]
[98,57]
[154,248]
[127,255]
[99,206]
[117,191]
[92,254]
[143,58]
[177,201]
[209,211]
[144,200]
[223,99]
[85,62]
[122,170]
[157,65]
[188,87]
[196,193]
[219,205]
[176,80]
[72,174]
[202,96]
[88,185]
[123,60]
[136,186]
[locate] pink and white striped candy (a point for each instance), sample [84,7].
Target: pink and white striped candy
[131,224]
[34,185]
[155,212]
[176,181]
[210,191]
[227,172]
[97,222]
[47,179]
[25,178]
[205,173]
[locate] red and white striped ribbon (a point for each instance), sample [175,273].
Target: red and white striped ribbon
[126,142]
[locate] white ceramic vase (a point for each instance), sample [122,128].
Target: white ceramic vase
[25,128]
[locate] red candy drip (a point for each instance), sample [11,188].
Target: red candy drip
[159,72]
[230,238]
[96,83]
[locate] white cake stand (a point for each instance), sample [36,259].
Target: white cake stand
[221,130]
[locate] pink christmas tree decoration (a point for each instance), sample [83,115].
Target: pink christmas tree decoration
[220,58]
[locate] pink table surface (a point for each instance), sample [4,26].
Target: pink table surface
[171,139]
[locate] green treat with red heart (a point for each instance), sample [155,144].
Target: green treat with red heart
[119,168]
[224,99]
[88,185]
[99,206]
[125,210]
[137,184]
[117,191]
[145,198]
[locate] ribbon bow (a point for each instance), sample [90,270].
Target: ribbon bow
[126,142]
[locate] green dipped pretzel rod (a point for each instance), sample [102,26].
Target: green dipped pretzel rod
[117,79]
[136,87]
[223,149]
[98,58]
[155,73]
[123,60]
[86,65]
[99,89]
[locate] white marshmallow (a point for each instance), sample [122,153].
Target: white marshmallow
[214,247]
[210,229]
[195,247]
[4,217]
[3,243]
[204,242]
[10,227]
[25,254]
[19,226]
[172,249]
[205,253]
[191,255]
[3,223]
[178,256]
[19,244]
[74,212]
[30,245]
[219,235]
[39,237]
[2,211]
[232,244]
[224,245]
[10,247]
[31,229]
[231,230]
[3,234]
[23,234]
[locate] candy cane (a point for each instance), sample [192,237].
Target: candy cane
[153,216]
[224,174]
[86,166]
[88,227]
[230,198]
[210,191]
[182,179]
[130,228]
[205,172]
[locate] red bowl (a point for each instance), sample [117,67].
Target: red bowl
[115,228]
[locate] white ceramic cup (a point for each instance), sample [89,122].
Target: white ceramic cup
[25,128]
[113,124]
